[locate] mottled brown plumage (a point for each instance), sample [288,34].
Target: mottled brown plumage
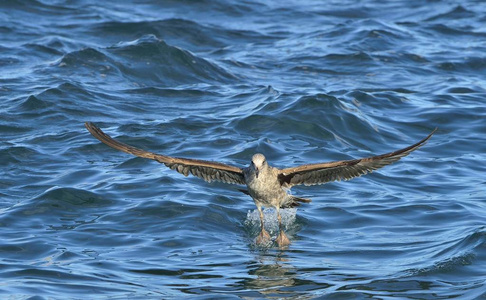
[320,173]
[207,170]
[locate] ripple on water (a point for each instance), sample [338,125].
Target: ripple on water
[220,81]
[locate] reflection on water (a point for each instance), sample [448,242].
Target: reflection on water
[271,275]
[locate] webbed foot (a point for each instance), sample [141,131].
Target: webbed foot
[263,237]
[282,239]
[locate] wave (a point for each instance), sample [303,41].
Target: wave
[147,61]
[15,154]
[59,103]
[181,32]
[290,118]
[458,12]
[161,63]
[471,64]
[451,256]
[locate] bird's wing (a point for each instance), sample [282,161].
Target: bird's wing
[342,170]
[207,170]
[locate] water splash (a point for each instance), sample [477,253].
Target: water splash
[270,219]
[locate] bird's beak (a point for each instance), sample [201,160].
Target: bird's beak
[257,171]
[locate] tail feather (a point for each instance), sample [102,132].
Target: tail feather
[244,191]
[293,201]
[296,201]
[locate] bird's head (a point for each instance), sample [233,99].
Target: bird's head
[258,163]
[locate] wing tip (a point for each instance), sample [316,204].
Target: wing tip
[92,128]
[422,142]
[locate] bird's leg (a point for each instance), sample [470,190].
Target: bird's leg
[282,239]
[263,237]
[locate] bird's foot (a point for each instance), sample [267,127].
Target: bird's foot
[282,239]
[263,237]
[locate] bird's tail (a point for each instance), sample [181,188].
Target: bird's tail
[292,202]
[296,201]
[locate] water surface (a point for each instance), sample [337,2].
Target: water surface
[220,80]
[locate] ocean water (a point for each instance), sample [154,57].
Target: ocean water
[300,81]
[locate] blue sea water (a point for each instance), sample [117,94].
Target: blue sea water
[300,81]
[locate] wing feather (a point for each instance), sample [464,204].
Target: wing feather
[343,170]
[207,170]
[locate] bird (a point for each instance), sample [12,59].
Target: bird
[268,186]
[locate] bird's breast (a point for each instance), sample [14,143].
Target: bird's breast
[265,189]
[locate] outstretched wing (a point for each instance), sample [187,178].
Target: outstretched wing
[342,170]
[207,170]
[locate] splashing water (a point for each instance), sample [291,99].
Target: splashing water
[270,220]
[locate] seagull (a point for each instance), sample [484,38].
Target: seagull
[267,185]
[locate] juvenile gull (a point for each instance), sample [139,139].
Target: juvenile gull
[268,186]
